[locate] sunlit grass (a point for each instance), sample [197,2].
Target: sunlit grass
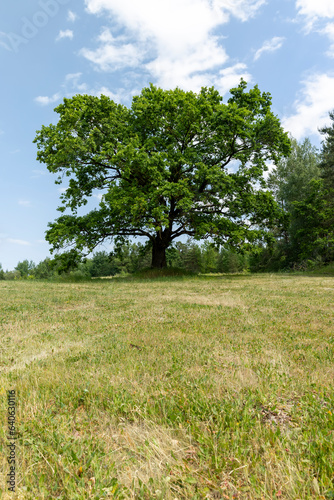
[170,388]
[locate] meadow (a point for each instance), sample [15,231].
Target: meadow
[174,388]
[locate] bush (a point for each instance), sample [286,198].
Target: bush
[12,275]
[72,277]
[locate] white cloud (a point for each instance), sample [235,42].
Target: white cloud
[38,173]
[72,82]
[158,16]
[18,242]
[184,71]
[117,97]
[25,203]
[269,46]
[65,34]
[312,106]
[70,86]
[241,9]
[313,9]
[230,77]
[73,85]
[113,53]
[224,80]
[315,13]
[176,38]
[73,77]
[98,196]
[45,100]
[1,132]
[329,31]
[71,16]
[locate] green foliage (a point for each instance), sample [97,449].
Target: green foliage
[99,265]
[290,179]
[73,276]
[126,258]
[66,262]
[12,275]
[269,258]
[315,230]
[164,168]
[327,154]
[2,273]
[312,207]
[232,262]
[25,268]
[44,269]
[183,258]
[189,256]
[209,258]
[299,185]
[129,258]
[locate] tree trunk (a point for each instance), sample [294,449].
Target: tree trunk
[158,255]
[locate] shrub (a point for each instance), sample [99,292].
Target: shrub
[12,275]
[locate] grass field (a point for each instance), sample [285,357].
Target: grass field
[175,388]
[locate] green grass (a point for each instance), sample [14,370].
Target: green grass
[323,270]
[168,272]
[173,388]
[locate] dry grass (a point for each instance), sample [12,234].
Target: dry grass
[176,388]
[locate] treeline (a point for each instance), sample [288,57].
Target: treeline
[131,258]
[303,185]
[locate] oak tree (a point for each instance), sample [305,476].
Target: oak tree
[174,163]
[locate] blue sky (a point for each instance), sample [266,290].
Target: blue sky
[51,49]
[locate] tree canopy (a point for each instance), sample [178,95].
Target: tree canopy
[175,163]
[315,212]
[290,180]
[327,154]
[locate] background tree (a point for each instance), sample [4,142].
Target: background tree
[315,213]
[291,177]
[100,265]
[209,258]
[315,228]
[303,185]
[291,182]
[176,163]
[327,156]
[44,269]
[66,262]
[26,268]
[231,262]
[189,256]
[12,275]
